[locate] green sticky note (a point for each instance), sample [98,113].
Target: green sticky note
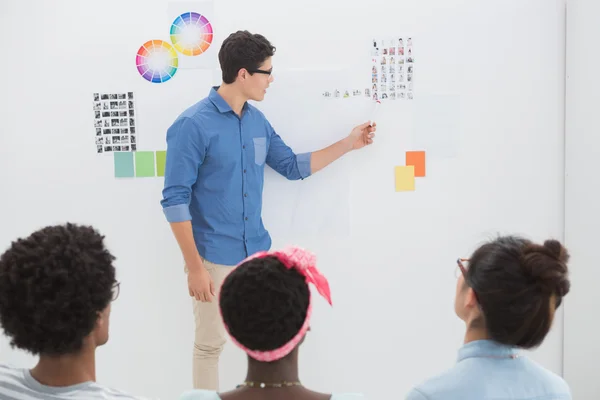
[123,164]
[144,164]
[161,159]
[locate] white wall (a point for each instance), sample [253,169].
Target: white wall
[582,196]
[489,84]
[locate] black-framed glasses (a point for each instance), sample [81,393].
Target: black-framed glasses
[116,289]
[261,71]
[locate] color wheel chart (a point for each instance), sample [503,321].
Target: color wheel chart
[191,34]
[157,61]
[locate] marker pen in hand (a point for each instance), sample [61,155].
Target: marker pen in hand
[374,113]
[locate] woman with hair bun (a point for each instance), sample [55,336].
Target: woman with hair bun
[507,294]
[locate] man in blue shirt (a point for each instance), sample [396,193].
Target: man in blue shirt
[214,175]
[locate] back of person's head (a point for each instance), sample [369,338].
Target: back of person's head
[518,285]
[243,50]
[56,286]
[266,302]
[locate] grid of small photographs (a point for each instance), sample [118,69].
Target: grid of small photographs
[392,70]
[114,122]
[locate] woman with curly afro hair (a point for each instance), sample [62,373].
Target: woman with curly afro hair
[266,306]
[56,288]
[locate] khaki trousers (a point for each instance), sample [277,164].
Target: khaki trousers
[210,335]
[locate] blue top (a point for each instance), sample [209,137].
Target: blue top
[486,371]
[214,176]
[211,395]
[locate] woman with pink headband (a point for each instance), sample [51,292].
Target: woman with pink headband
[266,306]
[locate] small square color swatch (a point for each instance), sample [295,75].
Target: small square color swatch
[123,164]
[405,178]
[144,164]
[416,159]
[161,159]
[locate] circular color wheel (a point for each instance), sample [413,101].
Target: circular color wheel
[157,61]
[191,34]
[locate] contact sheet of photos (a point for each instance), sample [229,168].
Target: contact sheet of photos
[392,70]
[114,122]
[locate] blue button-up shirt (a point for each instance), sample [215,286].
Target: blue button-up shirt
[486,370]
[214,176]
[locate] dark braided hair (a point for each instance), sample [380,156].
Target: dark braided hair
[53,285]
[264,303]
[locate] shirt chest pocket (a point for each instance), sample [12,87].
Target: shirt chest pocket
[260,150]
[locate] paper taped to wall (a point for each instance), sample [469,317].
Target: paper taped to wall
[191,32]
[405,178]
[114,122]
[417,160]
[392,68]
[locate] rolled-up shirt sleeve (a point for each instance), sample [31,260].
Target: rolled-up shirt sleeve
[283,159]
[186,148]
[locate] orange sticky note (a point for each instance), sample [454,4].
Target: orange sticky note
[405,178]
[416,159]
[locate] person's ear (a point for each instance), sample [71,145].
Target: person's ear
[99,319]
[471,299]
[102,316]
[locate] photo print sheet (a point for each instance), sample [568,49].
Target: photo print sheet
[392,69]
[114,122]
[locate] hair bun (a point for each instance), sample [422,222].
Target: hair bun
[547,266]
[557,250]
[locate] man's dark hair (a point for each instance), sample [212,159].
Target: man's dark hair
[264,303]
[519,285]
[53,285]
[243,49]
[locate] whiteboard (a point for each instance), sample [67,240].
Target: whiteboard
[488,106]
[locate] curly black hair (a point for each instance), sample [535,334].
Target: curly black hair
[53,284]
[243,49]
[264,303]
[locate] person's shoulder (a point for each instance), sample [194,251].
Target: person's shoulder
[198,109]
[416,394]
[8,370]
[7,367]
[197,113]
[199,394]
[110,393]
[548,378]
[443,385]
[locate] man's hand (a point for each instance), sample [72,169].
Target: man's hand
[200,284]
[362,135]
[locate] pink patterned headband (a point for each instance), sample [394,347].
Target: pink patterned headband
[305,263]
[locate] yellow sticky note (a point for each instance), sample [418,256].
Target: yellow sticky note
[405,178]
